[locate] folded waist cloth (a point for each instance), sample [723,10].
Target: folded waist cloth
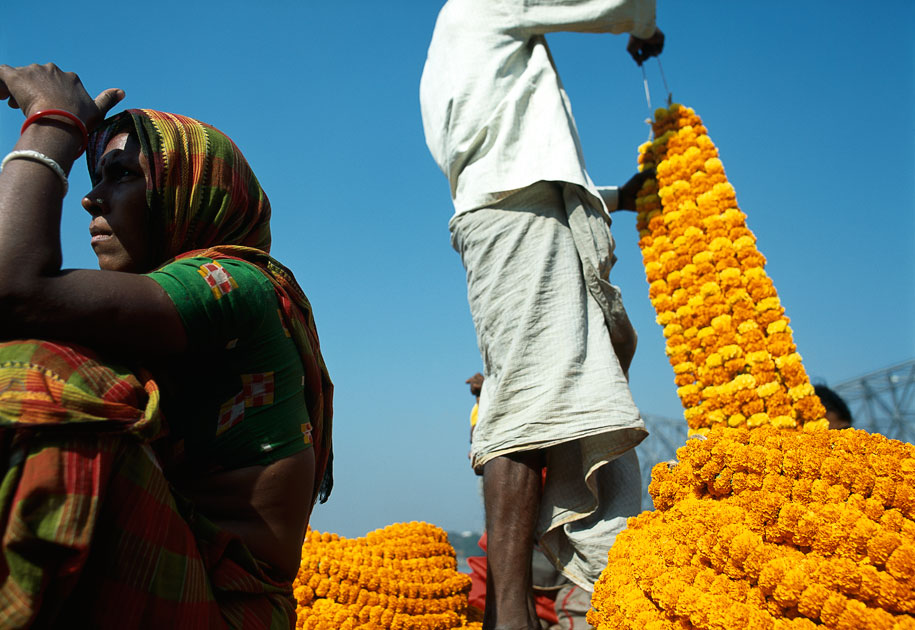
[91,528]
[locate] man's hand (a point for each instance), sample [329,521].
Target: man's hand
[630,189]
[642,49]
[476,384]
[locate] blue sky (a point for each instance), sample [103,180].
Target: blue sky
[810,104]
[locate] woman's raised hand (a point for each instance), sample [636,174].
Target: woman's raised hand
[35,88]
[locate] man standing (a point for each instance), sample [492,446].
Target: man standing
[533,233]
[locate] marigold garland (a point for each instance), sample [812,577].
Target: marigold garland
[767,520]
[728,339]
[402,577]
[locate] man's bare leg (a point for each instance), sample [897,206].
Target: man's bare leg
[511,495]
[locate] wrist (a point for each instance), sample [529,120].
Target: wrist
[64,115]
[54,138]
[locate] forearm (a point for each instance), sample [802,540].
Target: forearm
[31,196]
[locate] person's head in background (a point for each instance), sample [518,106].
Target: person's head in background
[837,412]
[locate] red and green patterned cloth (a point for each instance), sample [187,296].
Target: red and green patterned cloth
[93,534]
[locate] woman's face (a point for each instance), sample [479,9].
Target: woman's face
[120,213]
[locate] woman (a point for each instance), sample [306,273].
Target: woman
[117,510]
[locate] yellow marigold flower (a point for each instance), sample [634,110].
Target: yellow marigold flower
[783,422]
[722,323]
[789,359]
[705,332]
[719,243]
[703,257]
[688,389]
[759,356]
[754,273]
[777,326]
[736,420]
[746,326]
[816,425]
[684,367]
[673,349]
[757,419]
[744,381]
[767,389]
[744,242]
[805,389]
[737,295]
[716,416]
[710,288]
[672,329]
[714,360]
[768,304]
[713,165]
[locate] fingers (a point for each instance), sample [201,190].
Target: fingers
[4,91]
[642,49]
[108,99]
[633,48]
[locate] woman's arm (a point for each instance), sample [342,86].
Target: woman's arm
[122,312]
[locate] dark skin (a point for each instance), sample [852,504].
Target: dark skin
[512,484]
[642,49]
[115,310]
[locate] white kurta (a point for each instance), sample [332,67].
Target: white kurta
[495,114]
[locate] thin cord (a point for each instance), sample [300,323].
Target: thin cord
[647,92]
[670,97]
[648,100]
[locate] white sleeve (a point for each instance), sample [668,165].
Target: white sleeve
[611,197]
[586,16]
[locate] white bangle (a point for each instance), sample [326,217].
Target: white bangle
[35,156]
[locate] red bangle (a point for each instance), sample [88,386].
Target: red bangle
[59,112]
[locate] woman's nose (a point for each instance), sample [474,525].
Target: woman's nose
[93,204]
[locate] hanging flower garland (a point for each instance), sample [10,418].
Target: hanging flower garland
[402,577]
[728,339]
[767,520]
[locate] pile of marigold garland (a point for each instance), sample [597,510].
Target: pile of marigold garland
[402,577]
[768,520]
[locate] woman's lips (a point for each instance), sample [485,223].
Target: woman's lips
[99,232]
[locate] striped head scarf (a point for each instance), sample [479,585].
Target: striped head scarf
[204,200]
[201,191]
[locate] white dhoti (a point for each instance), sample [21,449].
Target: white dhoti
[537,267]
